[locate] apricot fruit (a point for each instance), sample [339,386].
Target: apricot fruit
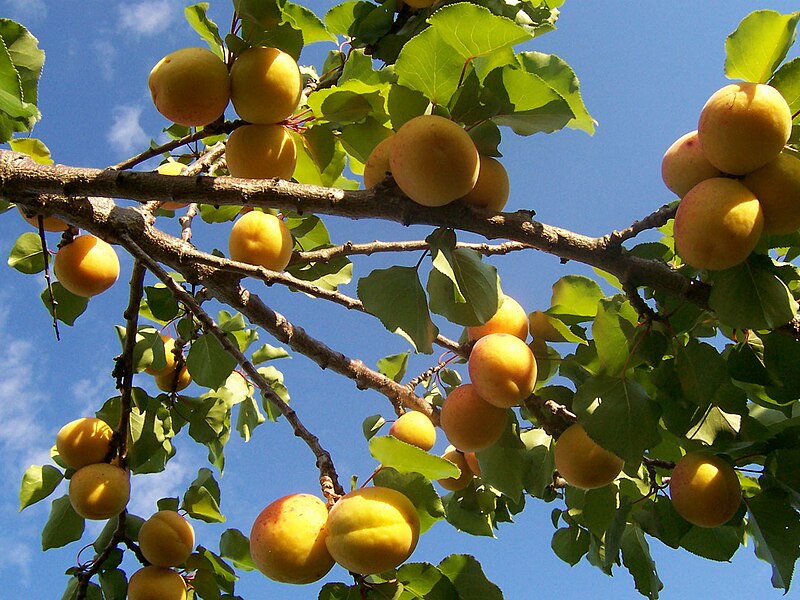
[190,86]
[84,441]
[371,530]
[51,223]
[743,126]
[433,160]
[166,539]
[454,484]
[266,85]
[87,266]
[156,583]
[99,491]
[718,224]
[684,165]
[472,463]
[503,369]
[259,238]
[469,422]
[377,165]
[172,167]
[287,540]
[777,187]
[261,152]
[492,188]
[414,428]
[509,318]
[584,463]
[169,357]
[166,381]
[705,489]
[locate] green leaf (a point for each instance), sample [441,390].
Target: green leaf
[208,362]
[249,418]
[268,352]
[394,366]
[570,544]
[21,63]
[208,30]
[503,464]
[575,296]
[759,44]
[637,559]
[339,591]
[704,378]
[63,525]
[396,297]
[468,578]
[27,255]
[68,305]
[428,64]
[784,467]
[308,23]
[161,302]
[114,584]
[416,488]
[613,332]
[34,148]
[473,31]
[540,461]
[423,580]
[775,527]
[219,214]
[405,458]
[471,510]
[201,500]
[787,82]
[38,482]
[717,543]
[372,425]
[235,546]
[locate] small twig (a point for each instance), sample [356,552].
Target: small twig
[645,311]
[553,417]
[653,221]
[47,278]
[658,463]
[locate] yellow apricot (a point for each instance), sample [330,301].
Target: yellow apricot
[84,441]
[377,164]
[166,381]
[492,188]
[166,539]
[371,530]
[87,266]
[259,238]
[777,187]
[99,491]
[156,583]
[172,167]
[433,160]
[454,484]
[718,224]
[503,369]
[584,463]
[261,152]
[287,541]
[509,318]
[169,357]
[542,330]
[469,422]
[743,126]
[705,489]
[472,463]
[50,223]
[265,85]
[190,86]
[684,165]
[414,428]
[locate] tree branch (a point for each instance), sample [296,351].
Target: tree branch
[350,249]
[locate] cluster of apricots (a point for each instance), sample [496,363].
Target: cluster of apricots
[734,177]
[167,377]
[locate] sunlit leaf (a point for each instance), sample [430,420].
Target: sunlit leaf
[38,482]
[405,458]
[759,44]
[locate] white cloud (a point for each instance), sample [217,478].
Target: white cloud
[149,17]
[27,9]
[147,489]
[126,134]
[105,52]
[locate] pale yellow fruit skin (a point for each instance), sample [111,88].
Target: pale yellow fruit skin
[584,463]
[164,381]
[705,489]
[261,152]
[190,86]
[433,160]
[743,126]
[287,540]
[166,539]
[454,484]
[503,369]
[99,491]
[84,441]
[414,428]
[265,85]
[87,266]
[469,422]
[542,329]
[684,165]
[472,463]
[51,223]
[492,189]
[172,167]
[262,239]
[156,583]
[777,187]
[718,224]
[509,318]
[371,530]
[377,164]
[169,357]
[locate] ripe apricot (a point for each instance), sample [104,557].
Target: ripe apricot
[156,583]
[743,126]
[469,422]
[717,224]
[377,164]
[87,266]
[259,238]
[453,484]
[84,441]
[99,491]
[172,167]
[777,187]
[503,369]
[684,165]
[371,530]
[705,489]
[492,188]
[166,381]
[509,318]
[190,86]
[166,539]
[414,428]
[265,85]
[50,223]
[472,463]
[433,160]
[261,152]
[584,463]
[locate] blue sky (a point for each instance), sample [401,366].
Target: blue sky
[645,68]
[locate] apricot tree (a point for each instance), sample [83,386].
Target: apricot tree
[664,355]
